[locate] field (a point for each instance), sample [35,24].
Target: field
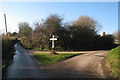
[112,61]
[46,58]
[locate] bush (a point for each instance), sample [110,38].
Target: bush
[26,42]
[105,42]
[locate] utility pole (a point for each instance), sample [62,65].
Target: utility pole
[5,23]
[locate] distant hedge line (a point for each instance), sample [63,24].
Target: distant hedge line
[96,42]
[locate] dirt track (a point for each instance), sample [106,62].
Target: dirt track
[87,65]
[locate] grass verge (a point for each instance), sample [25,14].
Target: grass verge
[46,58]
[112,61]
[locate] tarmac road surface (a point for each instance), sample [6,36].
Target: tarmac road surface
[87,65]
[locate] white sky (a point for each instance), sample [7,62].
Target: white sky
[10,23]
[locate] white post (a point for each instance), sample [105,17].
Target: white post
[53,44]
[53,38]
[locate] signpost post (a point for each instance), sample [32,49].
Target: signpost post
[53,39]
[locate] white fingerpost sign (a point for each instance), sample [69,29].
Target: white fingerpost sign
[53,38]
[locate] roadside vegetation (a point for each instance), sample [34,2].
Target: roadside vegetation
[113,61]
[82,31]
[47,58]
[7,51]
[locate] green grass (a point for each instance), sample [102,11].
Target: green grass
[112,61]
[46,58]
[39,49]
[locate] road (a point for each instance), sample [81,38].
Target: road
[87,65]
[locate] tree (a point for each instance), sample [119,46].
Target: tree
[38,36]
[83,32]
[53,23]
[24,29]
[86,21]
[25,32]
[43,32]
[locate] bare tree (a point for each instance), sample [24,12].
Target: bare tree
[25,29]
[25,33]
[53,23]
[86,21]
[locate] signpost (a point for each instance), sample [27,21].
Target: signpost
[53,39]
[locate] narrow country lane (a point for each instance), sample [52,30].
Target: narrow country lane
[23,65]
[87,65]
